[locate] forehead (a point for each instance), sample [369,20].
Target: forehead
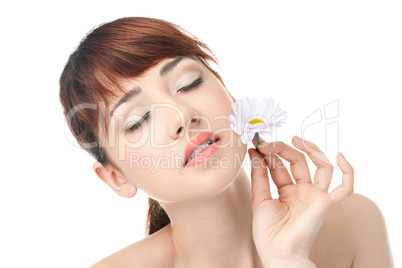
[161,69]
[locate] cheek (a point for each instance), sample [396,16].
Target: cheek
[140,163]
[216,104]
[219,96]
[151,172]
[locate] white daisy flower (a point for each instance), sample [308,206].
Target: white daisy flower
[252,117]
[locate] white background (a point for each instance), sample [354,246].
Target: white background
[306,54]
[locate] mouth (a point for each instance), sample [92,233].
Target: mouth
[201,148]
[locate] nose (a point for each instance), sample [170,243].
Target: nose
[172,120]
[177,128]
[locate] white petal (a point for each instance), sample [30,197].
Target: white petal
[235,108]
[236,128]
[253,106]
[257,126]
[255,100]
[244,139]
[255,131]
[250,136]
[269,107]
[261,107]
[246,110]
[256,105]
[266,136]
[233,118]
[232,126]
[266,131]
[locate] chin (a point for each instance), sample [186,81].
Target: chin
[217,179]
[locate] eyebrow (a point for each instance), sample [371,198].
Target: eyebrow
[130,94]
[169,66]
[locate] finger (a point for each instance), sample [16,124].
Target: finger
[323,174]
[279,173]
[259,179]
[346,188]
[297,160]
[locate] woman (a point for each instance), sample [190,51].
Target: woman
[140,96]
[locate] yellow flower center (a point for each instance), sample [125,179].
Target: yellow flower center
[255,121]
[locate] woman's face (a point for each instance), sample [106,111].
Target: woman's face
[152,125]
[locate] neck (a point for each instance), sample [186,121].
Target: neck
[215,230]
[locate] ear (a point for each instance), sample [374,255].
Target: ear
[115,181]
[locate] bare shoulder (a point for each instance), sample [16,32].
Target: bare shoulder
[152,251]
[354,234]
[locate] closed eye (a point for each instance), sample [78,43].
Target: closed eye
[138,124]
[193,85]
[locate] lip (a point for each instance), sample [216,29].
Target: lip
[207,153]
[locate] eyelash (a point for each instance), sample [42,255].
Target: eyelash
[138,124]
[193,85]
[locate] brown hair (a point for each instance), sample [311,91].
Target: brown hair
[123,48]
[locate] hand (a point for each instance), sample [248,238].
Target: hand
[284,229]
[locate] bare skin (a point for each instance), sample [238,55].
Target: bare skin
[221,218]
[341,242]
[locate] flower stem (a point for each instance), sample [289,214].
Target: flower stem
[257,139]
